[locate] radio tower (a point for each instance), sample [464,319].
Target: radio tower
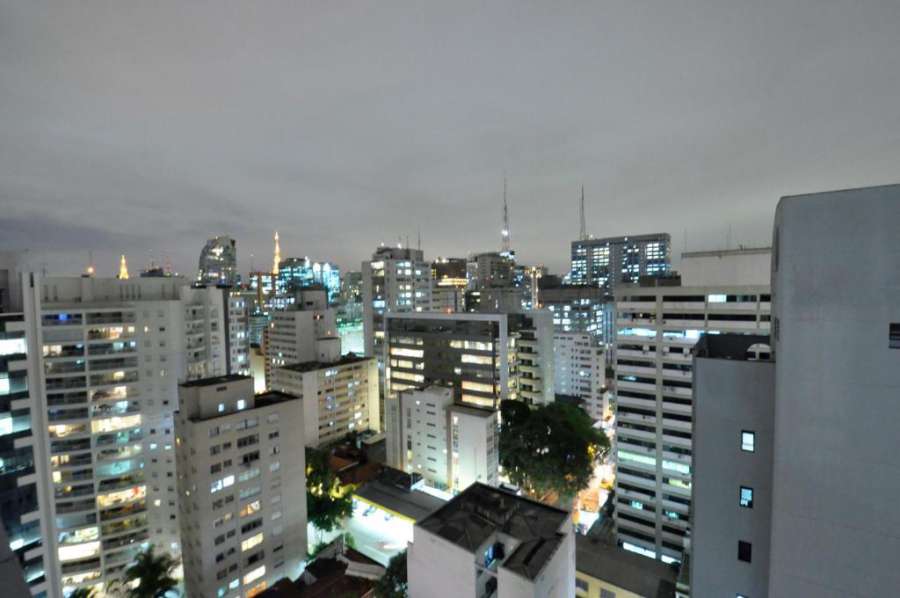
[504,234]
[583,232]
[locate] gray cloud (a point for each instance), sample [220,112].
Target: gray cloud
[155,125]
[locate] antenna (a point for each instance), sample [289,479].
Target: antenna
[583,230]
[504,234]
[419,245]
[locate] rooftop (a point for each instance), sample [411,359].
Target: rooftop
[728,252]
[733,346]
[215,380]
[471,410]
[479,511]
[392,492]
[311,366]
[627,570]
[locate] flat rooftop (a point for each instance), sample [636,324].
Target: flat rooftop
[215,380]
[629,571]
[474,411]
[310,366]
[412,504]
[480,511]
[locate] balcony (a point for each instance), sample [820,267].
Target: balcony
[124,511]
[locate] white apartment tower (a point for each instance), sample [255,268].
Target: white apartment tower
[656,328]
[108,355]
[242,487]
[488,542]
[304,332]
[338,397]
[579,364]
[451,446]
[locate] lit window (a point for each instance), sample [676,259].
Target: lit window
[241,404]
[746,497]
[748,441]
[221,407]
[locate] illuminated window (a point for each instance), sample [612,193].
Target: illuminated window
[748,441]
[746,497]
[254,575]
[252,541]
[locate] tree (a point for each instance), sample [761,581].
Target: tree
[327,501]
[154,573]
[550,449]
[393,583]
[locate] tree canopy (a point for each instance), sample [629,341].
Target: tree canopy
[393,584]
[327,502]
[549,449]
[155,574]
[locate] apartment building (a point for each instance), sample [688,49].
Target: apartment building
[485,358]
[450,445]
[338,397]
[657,326]
[490,542]
[242,487]
[304,332]
[108,356]
[580,371]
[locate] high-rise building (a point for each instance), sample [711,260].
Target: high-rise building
[237,319]
[305,332]
[24,482]
[490,542]
[580,371]
[107,359]
[826,444]
[484,357]
[218,262]
[242,487]
[295,273]
[607,263]
[338,397]
[579,309]
[450,445]
[657,325]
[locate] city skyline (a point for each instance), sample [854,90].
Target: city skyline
[148,137]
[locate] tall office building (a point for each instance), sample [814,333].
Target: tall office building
[657,325]
[451,446]
[817,461]
[339,396]
[485,358]
[237,320]
[449,282]
[242,487]
[580,371]
[579,309]
[295,273]
[489,542]
[610,262]
[108,356]
[304,332]
[218,262]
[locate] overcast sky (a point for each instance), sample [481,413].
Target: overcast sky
[146,127]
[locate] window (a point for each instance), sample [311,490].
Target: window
[607,593]
[241,404]
[581,584]
[745,551]
[748,441]
[746,497]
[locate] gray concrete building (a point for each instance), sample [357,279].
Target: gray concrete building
[606,263]
[734,408]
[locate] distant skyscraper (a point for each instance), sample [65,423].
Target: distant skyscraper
[606,263]
[218,262]
[297,273]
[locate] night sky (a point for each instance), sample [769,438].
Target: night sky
[146,127]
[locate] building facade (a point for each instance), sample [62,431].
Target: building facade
[489,542]
[580,371]
[451,446]
[242,487]
[218,262]
[656,328]
[485,358]
[295,273]
[338,397]
[606,263]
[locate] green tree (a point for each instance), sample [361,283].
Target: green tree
[393,583]
[327,501]
[154,572]
[549,450]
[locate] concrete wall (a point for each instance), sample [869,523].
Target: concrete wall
[836,525]
[439,569]
[731,396]
[726,267]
